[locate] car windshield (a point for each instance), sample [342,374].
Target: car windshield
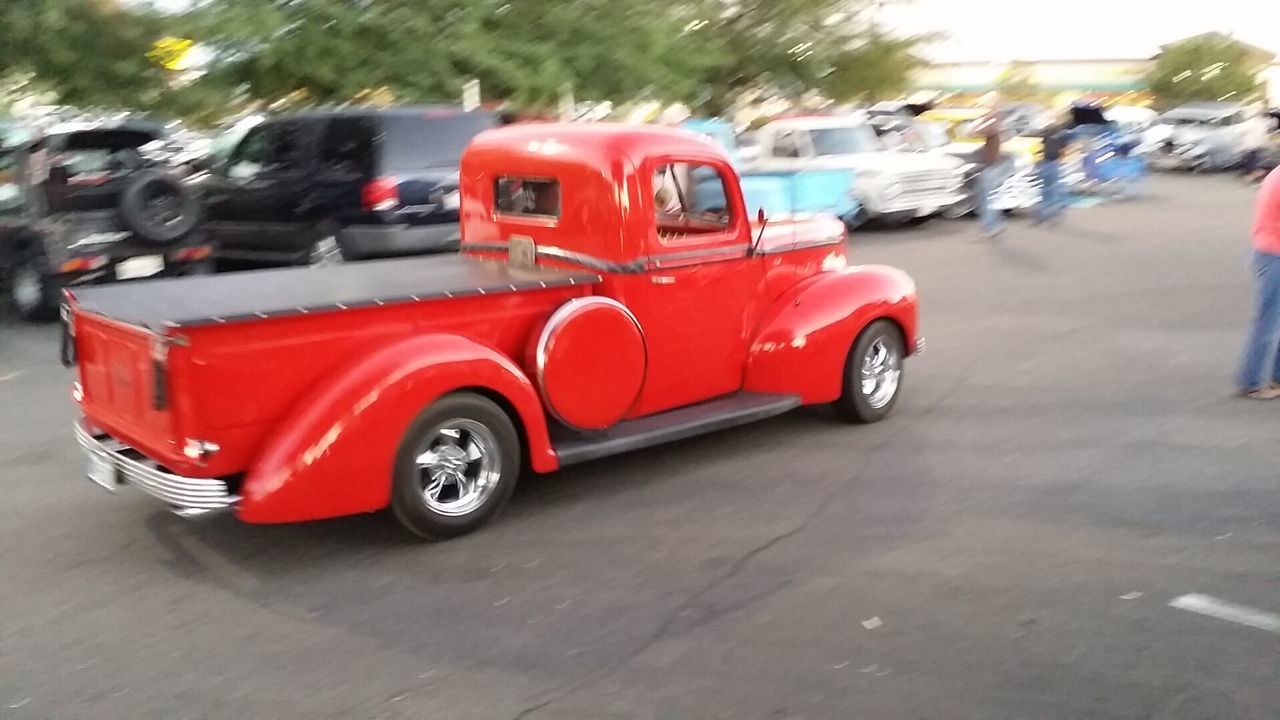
[844,140]
[98,151]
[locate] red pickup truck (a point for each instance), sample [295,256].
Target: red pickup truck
[612,293]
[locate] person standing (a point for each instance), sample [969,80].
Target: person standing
[1260,355]
[1049,173]
[990,175]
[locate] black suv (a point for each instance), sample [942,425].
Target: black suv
[331,185]
[87,204]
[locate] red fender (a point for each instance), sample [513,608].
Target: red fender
[334,454]
[805,337]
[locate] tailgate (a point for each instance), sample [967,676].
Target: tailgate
[124,385]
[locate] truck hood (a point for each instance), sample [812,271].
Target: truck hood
[892,162]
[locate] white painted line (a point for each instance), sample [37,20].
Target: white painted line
[1223,610]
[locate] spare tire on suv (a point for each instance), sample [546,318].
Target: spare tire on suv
[158,208]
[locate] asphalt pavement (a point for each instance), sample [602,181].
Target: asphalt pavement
[1067,460]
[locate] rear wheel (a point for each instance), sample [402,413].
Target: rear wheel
[456,468]
[872,374]
[34,291]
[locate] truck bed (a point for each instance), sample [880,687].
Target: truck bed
[232,297]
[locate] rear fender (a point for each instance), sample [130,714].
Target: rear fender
[334,454]
[805,337]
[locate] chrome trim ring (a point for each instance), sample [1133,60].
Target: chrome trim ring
[459,467]
[185,496]
[560,317]
[881,372]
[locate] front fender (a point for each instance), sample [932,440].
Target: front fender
[334,454]
[806,336]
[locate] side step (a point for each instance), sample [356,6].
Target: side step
[726,412]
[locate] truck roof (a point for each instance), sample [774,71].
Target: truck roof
[231,297]
[595,144]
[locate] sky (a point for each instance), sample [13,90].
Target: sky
[1004,30]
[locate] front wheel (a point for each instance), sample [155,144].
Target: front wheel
[456,468]
[872,374]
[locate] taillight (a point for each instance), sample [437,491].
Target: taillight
[380,194]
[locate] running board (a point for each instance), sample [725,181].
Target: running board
[686,422]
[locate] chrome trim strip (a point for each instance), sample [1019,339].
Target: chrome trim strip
[588,261]
[692,257]
[640,265]
[186,496]
[560,317]
[804,245]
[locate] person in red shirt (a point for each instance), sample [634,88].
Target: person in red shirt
[1260,353]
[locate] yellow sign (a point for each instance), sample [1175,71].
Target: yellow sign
[171,53]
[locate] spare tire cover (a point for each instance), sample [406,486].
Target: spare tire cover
[158,208]
[591,362]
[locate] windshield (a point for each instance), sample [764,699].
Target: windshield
[844,140]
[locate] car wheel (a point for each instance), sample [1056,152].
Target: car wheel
[326,252]
[456,468]
[872,374]
[34,292]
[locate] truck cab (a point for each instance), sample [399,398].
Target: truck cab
[613,292]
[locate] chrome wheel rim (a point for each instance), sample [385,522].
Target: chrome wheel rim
[458,466]
[26,287]
[881,372]
[326,252]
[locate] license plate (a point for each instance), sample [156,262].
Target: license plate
[103,472]
[142,266]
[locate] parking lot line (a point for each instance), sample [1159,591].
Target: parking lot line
[1223,610]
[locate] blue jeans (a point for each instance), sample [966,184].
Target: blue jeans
[1052,199]
[989,180]
[1265,332]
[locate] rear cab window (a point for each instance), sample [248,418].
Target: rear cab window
[527,199]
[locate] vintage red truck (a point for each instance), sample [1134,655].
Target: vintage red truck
[612,293]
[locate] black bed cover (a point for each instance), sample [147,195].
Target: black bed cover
[233,297]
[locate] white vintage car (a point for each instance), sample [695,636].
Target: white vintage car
[889,184]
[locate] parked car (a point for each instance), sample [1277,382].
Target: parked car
[888,184]
[1208,136]
[90,204]
[591,311]
[331,185]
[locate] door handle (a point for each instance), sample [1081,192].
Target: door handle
[662,279]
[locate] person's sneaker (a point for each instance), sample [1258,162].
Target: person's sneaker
[1266,393]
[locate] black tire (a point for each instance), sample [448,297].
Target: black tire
[855,405]
[34,290]
[464,412]
[158,209]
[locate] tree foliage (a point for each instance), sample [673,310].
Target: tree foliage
[1018,83]
[703,52]
[878,68]
[92,52]
[1209,67]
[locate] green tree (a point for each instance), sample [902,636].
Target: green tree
[90,52]
[1210,67]
[879,67]
[1018,83]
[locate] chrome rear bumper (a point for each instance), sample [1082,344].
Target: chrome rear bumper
[187,497]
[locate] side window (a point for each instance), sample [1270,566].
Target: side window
[10,185]
[266,148]
[690,200]
[785,145]
[250,156]
[347,147]
[531,197]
